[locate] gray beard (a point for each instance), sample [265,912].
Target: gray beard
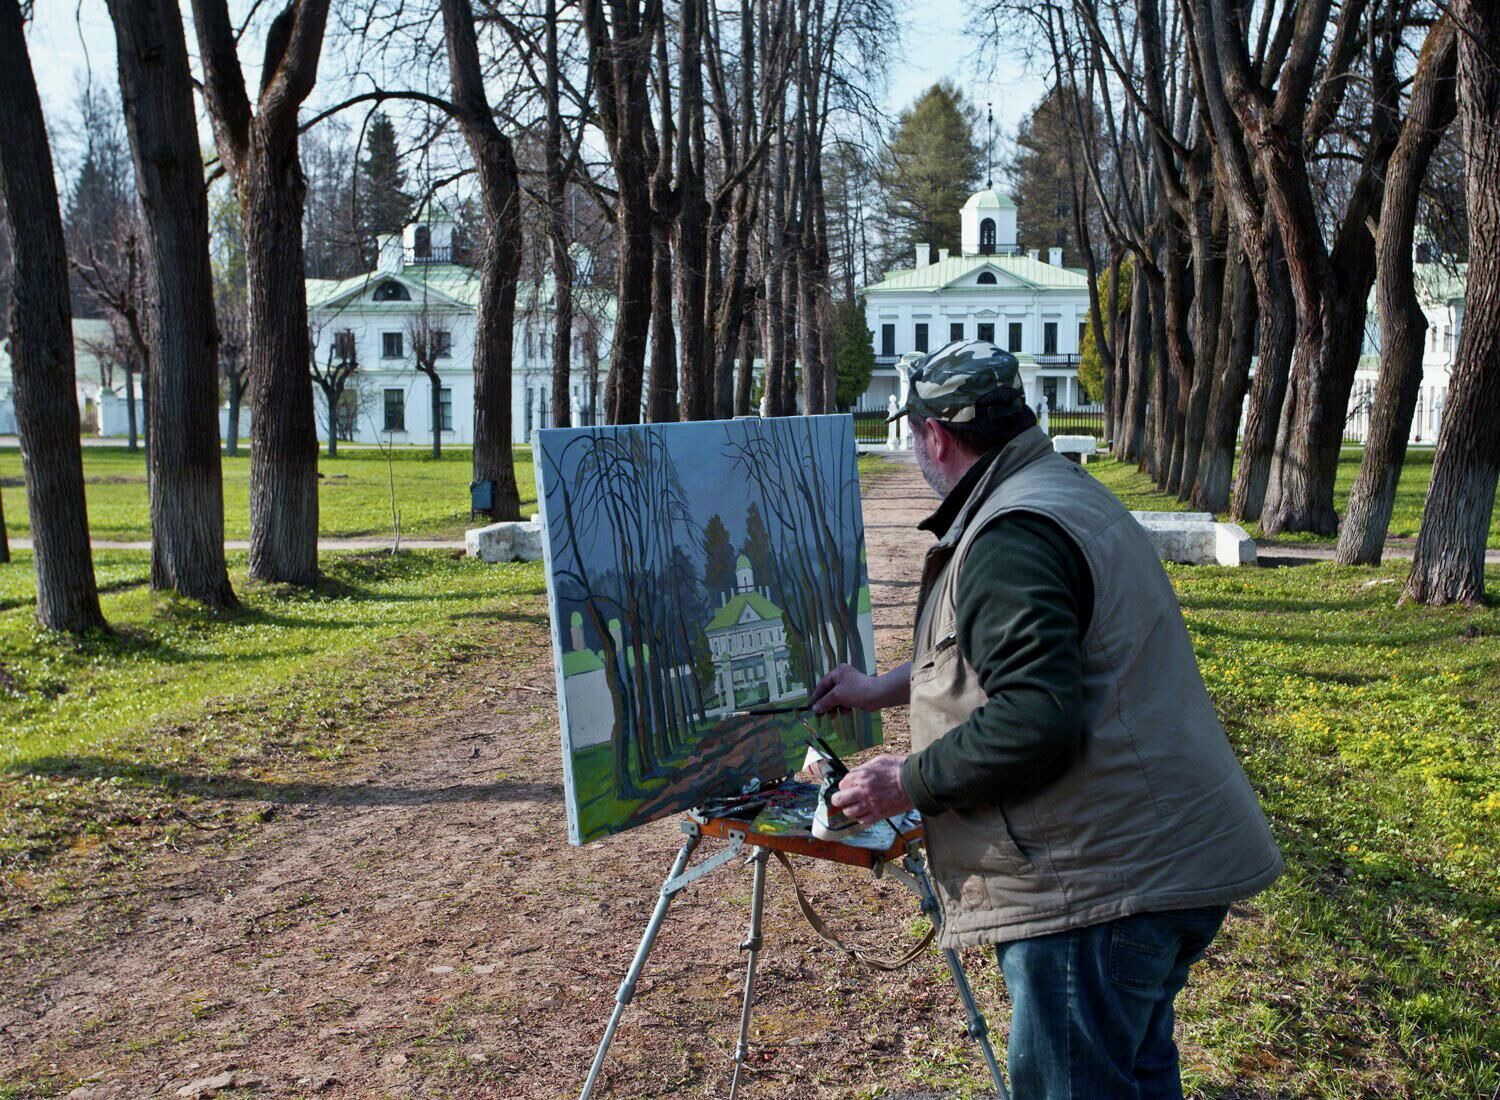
[941,485]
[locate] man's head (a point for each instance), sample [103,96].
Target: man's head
[965,400]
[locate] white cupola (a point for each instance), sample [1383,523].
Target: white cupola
[428,239]
[988,224]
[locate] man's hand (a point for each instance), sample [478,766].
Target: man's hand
[873,791]
[843,689]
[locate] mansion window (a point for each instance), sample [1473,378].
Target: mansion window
[921,344]
[343,346]
[986,278]
[392,346]
[987,332]
[445,409]
[987,237]
[887,339]
[442,343]
[955,330]
[422,243]
[391,291]
[1083,327]
[395,410]
[1448,338]
[1013,337]
[1049,338]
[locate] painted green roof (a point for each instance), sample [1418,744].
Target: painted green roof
[938,276]
[729,614]
[990,199]
[581,660]
[456,281]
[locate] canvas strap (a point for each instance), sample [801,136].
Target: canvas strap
[827,934]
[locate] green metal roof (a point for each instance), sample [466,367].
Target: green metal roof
[990,199]
[729,614]
[454,281]
[940,275]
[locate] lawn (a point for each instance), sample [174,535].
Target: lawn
[1137,491]
[119,731]
[354,496]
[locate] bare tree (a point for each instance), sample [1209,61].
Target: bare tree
[430,343]
[1403,325]
[187,486]
[257,145]
[41,347]
[333,375]
[1449,563]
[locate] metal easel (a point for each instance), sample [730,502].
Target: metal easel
[910,871]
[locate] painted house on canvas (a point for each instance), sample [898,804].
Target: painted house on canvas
[747,639]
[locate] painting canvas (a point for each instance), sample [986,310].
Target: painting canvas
[698,573]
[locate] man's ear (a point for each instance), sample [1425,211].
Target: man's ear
[940,441]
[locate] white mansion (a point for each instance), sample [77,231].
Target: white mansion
[419,289]
[991,290]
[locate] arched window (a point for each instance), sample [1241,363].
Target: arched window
[987,237]
[986,278]
[422,243]
[391,291]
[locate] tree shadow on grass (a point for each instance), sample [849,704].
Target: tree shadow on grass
[291,792]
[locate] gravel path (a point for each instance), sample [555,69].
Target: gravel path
[420,927]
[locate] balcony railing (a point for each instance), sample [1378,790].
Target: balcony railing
[1054,359]
[436,255]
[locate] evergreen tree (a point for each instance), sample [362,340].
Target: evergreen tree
[758,549]
[384,206]
[928,171]
[718,568]
[853,351]
[1046,146]
[100,199]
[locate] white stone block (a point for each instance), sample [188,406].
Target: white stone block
[509,541]
[1194,538]
[1076,447]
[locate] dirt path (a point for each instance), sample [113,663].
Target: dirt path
[423,929]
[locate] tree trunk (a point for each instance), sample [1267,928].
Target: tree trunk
[661,390]
[745,381]
[1449,563]
[186,481]
[283,427]
[236,395]
[331,399]
[4,535]
[1278,332]
[1213,281]
[132,433]
[436,391]
[1236,345]
[557,232]
[1403,325]
[1134,406]
[697,373]
[41,348]
[500,263]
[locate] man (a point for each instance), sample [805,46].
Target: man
[1084,810]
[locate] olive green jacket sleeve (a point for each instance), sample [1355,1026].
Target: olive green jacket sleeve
[1024,600]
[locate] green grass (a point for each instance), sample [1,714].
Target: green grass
[1370,730]
[353,493]
[353,497]
[1138,492]
[123,729]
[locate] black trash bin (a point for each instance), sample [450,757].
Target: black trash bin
[482,496]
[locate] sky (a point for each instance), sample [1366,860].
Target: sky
[67,37]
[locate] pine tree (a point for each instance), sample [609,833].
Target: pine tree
[384,206]
[853,351]
[718,568]
[928,171]
[1043,192]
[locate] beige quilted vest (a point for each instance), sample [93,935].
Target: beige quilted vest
[1156,812]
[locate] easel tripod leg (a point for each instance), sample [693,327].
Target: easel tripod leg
[978,1030]
[752,944]
[627,987]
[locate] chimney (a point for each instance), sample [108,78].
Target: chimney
[924,255]
[391,252]
[942,254]
[1054,257]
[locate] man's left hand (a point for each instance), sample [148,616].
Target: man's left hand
[873,791]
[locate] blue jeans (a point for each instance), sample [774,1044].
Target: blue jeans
[1092,1007]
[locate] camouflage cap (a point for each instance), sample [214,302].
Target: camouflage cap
[957,379]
